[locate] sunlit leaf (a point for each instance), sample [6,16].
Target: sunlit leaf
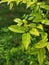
[45,7]
[18,29]
[40,26]
[41,56]
[34,31]
[40,44]
[18,21]
[26,40]
[11,6]
[48,46]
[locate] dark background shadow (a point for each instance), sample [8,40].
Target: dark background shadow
[7,16]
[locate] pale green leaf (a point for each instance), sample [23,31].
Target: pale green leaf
[24,21]
[18,29]
[26,40]
[46,22]
[44,36]
[40,26]
[32,25]
[41,56]
[47,62]
[30,4]
[11,6]
[45,7]
[34,31]
[34,0]
[40,44]
[48,46]
[18,21]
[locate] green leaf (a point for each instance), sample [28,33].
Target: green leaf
[5,29]
[45,7]
[13,50]
[40,26]
[11,6]
[40,44]
[34,0]
[29,4]
[26,40]
[3,1]
[32,25]
[46,22]
[47,46]
[37,18]
[34,31]
[44,36]
[41,56]
[18,21]
[18,1]
[24,21]
[47,62]
[30,18]
[32,51]
[18,29]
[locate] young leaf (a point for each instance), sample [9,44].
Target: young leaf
[45,7]
[47,62]
[11,6]
[17,20]
[34,0]
[24,21]
[44,36]
[32,25]
[46,22]
[48,46]
[40,44]
[29,4]
[26,40]
[41,56]
[18,29]
[34,31]
[37,18]
[40,26]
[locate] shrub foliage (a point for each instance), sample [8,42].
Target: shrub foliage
[33,45]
